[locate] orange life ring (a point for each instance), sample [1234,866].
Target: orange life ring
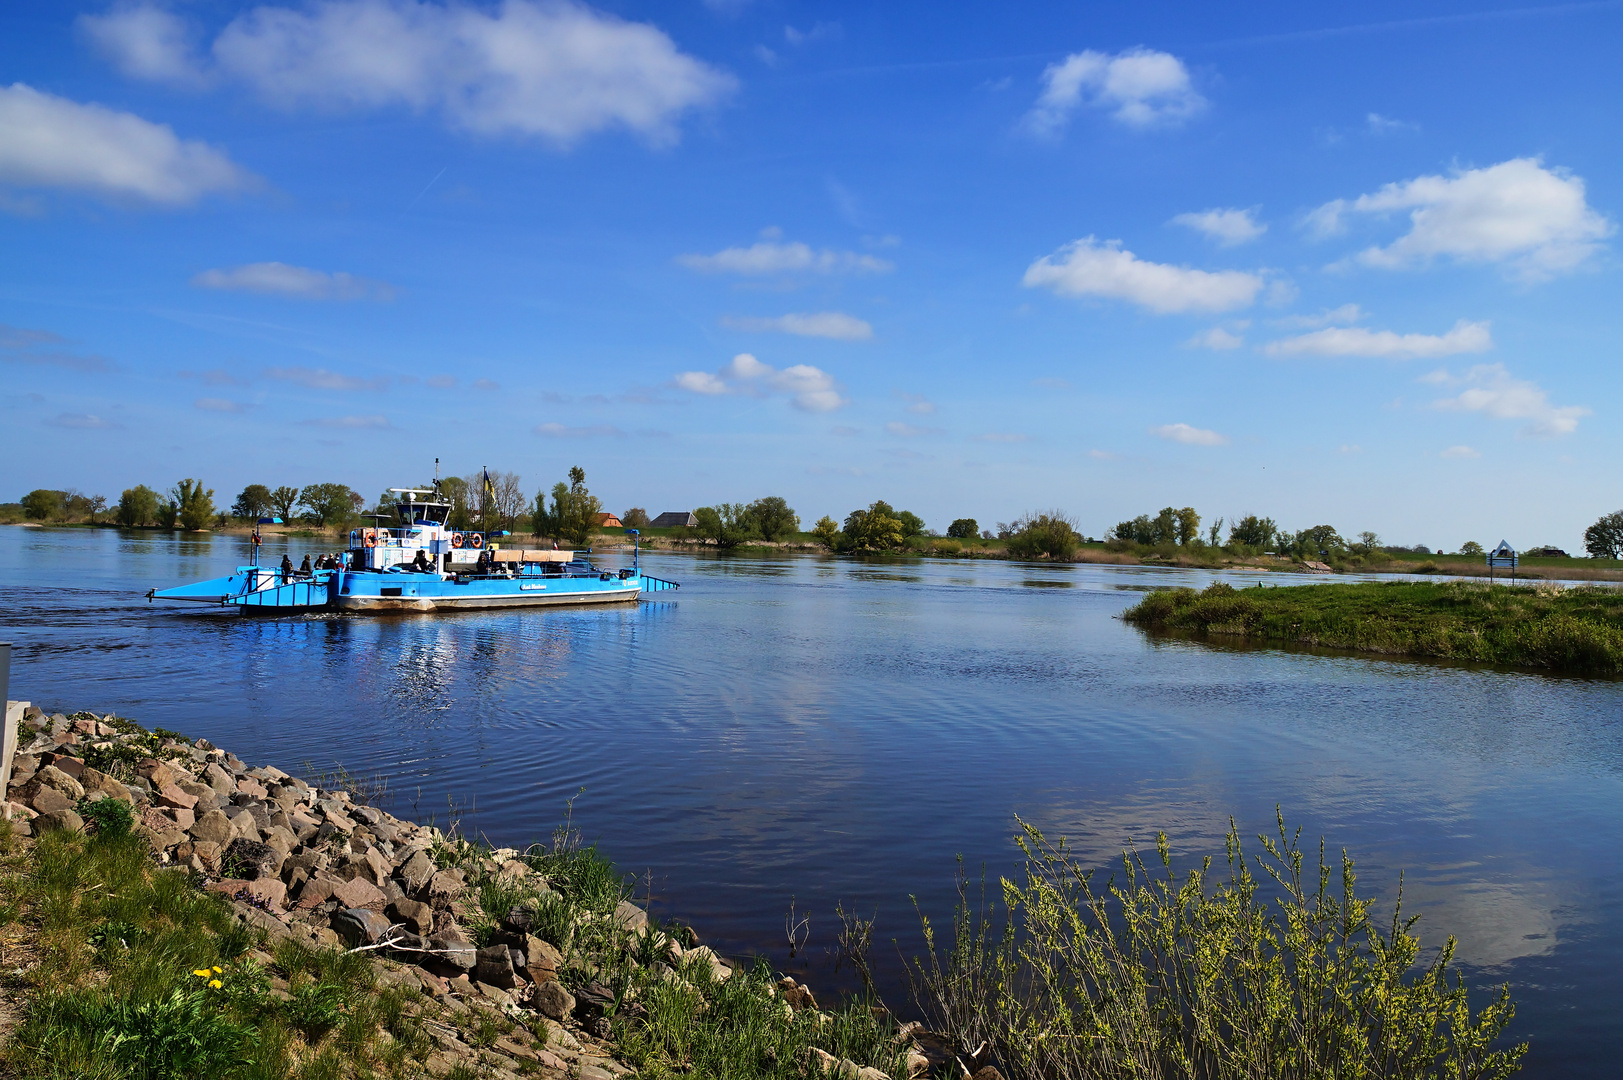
[476,540]
[371,541]
[456,540]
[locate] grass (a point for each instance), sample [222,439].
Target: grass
[1574,631]
[126,970]
[1202,975]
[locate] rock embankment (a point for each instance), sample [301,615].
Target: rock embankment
[319,866]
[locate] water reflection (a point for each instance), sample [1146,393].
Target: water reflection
[840,731]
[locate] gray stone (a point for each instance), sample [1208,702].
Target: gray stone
[418,917]
[454,950]
[214,827]
[52,777]
[552,1000]
[415,872]
[628,916]
[59,819]
[541,960]
[444,887]
[45,800]
[495,967]
[359,893]
[218,779]
[358,926]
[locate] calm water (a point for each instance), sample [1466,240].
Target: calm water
[829,730]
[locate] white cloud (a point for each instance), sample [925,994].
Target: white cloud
[1491,390]
[280,279]
[1535,220]
[556,69]
[1088,268]
[1215,338]
[81,422]
[351,423]
[1139,87]
[48,141]
[322,379]
[808,388]
[562,431]
[1102,455]
[1227,227]
[1346,313]
[1385,125]
[1460,452]
[917,403]
[1191,436]
[146,42]
[824,324]
[823,31]
[770,257]
[1465,337]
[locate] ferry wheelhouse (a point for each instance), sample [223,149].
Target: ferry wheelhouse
[424,565]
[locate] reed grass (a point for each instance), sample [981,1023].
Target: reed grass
[1200,977]
[1569,630]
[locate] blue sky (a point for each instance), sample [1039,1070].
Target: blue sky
[1345,264]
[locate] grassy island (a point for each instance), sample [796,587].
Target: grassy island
[1574,631]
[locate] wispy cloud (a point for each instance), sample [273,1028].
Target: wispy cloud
[1491,390]
[1189,436]
[1341,316]
[910,431]
[808,388]
[1459,452]
[222,405]
[554,430]
[1139,87]
[298,282]
[42,348]
[823,324]
[375,422]
[1216,338]
[1089,268]
[1465,337]
[322,379]
[1001,437]
[1228,228]
[768,257]
[76,421]
[917,403]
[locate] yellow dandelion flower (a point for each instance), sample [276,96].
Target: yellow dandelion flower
[217,969]
[201,973]
[215,984]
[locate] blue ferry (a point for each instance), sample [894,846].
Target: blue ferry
[425,565]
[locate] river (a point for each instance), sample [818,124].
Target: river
[815,730]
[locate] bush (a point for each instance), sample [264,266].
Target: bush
[771,518]
[1159,974]
[635,518]
[109,819]
[726,524]
[964,529]
[1051,535]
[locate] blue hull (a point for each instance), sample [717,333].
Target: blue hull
[429,592]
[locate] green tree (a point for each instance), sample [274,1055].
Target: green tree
[635,518]
[331,505]
[42,504]
[964,529]
[1050,535]
[770,518]
[1321,541]
[1139,530]
[282,501]
[912,525]
[1471,547]
[1254,532]
[194,504]
[137,506]
[168,514]
[1368,543]
[1604,539]
[573,513]
[1187,529]
[252,503]
[875,529]
[1214,533]
[455,490]
[726,524]
[98,506]
[827,532]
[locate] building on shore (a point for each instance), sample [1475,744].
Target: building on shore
[672,519]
